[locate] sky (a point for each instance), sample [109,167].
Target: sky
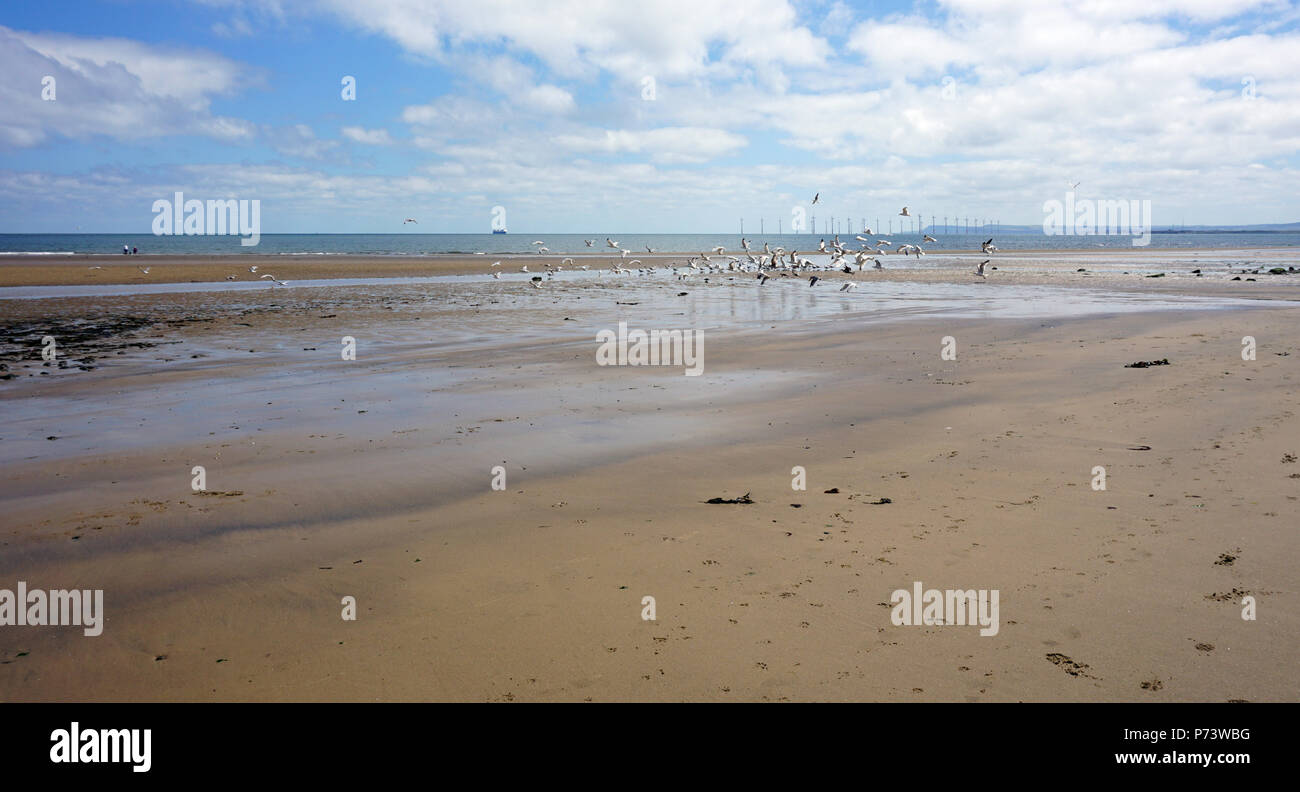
[655,116]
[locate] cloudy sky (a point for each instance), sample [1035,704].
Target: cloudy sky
[644,115]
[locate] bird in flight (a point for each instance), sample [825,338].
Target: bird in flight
[816,197]
[589,242]
[904,213]
[988,247]
[1076,184]
[410,220]
[145,270]
[980,269]
[929,238]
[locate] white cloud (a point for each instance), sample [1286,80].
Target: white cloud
[666,145]
[371,137]
[113,87]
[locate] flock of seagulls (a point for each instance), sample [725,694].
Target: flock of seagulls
[764,265]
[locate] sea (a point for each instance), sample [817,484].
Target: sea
[414,244]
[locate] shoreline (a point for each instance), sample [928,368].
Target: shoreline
[936,266]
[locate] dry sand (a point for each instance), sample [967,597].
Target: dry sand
[372,479]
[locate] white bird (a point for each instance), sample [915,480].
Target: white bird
[611,243]
[543,249]
[524,268]
[496,263]
[410,220]
[928,238]
[719,250]
[566,261]
[536,284]
[272,277]
[253,269]
[649,249]
[904,213]
[589,242]
[145,270]
[980,269]
[538,242]
[850,286]
[496,275]
[988,247]
[95,267]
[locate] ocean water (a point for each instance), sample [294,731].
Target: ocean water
[568,244]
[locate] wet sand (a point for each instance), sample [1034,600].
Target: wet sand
[372,478]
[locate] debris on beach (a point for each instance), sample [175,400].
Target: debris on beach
[832,491]
[881,502]
[1148,363]
[742,499]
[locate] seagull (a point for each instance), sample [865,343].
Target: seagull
[566,261]
[763,277]
[536,284]
[589,242]
[980,269]
[272,277]
[850,286]
[649,249]
[928,238]
[410,220]
[524,268]
[543,249]
[904,213]
[719,250]
[96,267]
[816,197]
[611,243]
[812,281]
[145,270]
[539,242]
[253,268]
[496,263]
[496,275]
[988,247]
[1076,184]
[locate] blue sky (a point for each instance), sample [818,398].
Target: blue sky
[981,109]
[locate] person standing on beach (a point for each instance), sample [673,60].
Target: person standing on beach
[135,251]
[125,250]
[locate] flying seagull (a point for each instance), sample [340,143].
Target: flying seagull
[904,213]
[980,269]
[988,247]
[410,220]
[816,197]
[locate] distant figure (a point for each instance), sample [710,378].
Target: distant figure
[135,251]
[125,250]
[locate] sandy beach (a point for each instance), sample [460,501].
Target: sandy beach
[372,478]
